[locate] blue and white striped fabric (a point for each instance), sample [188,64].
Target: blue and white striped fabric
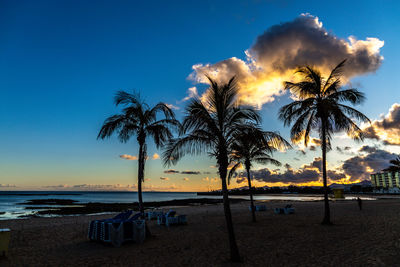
[117,231]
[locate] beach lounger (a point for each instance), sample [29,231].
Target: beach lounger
[153,215]
[288,209]
[176,220]
[170,218]
[162,219]
[139,231]
[116,231]
[278,211]
[95,230]
[259,207]
[132,229]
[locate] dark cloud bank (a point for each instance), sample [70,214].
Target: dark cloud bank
[357,167]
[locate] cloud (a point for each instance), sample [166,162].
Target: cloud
[316,141]
[280,49]
[307,173]
[155,156]
[190,172]
[342,150]
[128,157]
[58,186]
[192,92]
[103,187]
[214,180]
[185,179]
[164,178]
[171,171]
[289,176]
[172,106]
[301,152]
[206,179]
[171,187]
[387,129]
[370,160]
[7,185]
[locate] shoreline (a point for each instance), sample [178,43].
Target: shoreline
[62,207]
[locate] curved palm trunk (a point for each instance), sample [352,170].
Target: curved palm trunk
[253,210]
[235,256]
[327,213]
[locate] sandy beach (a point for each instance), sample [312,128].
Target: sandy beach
[367,237]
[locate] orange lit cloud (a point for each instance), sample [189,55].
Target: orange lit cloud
[171,187]
[281,49]
[128,157]
[387,128]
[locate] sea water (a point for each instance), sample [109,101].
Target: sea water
[12,202]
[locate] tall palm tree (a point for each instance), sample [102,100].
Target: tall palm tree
[395,167]
[251,144]
[209,126]
[137,118]
[319,107]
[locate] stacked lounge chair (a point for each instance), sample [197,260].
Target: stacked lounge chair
[288,209]
[119,229]
[259,207]
[153,214]
[95,227]
[170,218]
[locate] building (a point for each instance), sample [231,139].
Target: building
[386,181]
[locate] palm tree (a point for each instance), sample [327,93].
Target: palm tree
[395,167]
[210,125]
[319,107]
[137,118]
[251,144]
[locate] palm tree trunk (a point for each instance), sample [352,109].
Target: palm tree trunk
[140,176]
[253,210]
[235,256]
[141,161]
[327,213]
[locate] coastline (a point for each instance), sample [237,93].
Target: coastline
[71,207]
[367,237]
[46,207]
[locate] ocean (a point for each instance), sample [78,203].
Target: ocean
[12,207]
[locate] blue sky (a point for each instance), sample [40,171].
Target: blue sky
[62,61]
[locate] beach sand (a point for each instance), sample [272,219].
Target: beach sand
[367,237]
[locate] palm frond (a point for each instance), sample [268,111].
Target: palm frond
[334,77]
[232,171]
[352,95]
[111,124]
